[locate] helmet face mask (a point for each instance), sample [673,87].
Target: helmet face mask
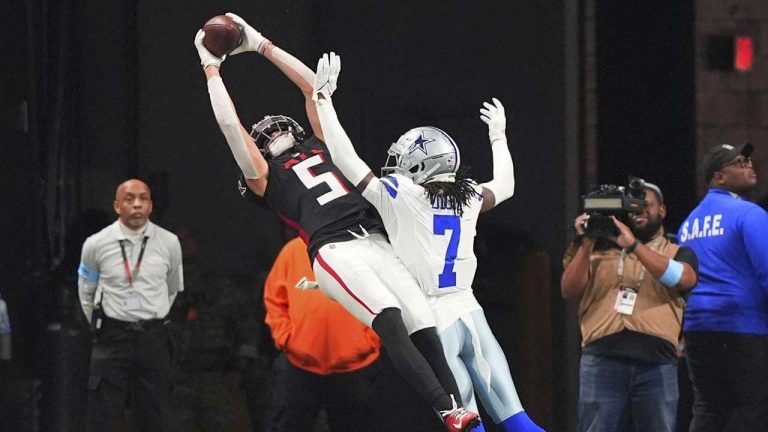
[423,154]
[275,134]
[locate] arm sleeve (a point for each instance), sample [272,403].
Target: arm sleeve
[302,76]
[87,279]
[230,126]
[299,73]
[754,233]
[382,194]
[503,183]
[339,144]
[176,273]
[276,300]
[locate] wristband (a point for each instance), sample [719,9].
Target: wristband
[263,46]
[631,248]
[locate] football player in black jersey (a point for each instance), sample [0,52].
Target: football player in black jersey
[351,257]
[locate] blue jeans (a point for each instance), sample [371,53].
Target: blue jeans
[613,388]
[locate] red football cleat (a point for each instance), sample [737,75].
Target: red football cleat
[459,419]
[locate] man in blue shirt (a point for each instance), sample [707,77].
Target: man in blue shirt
[726,319]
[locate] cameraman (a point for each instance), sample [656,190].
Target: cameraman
[630,295]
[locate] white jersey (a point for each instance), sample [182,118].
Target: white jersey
[434,243]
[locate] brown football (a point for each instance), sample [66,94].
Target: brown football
[222,35]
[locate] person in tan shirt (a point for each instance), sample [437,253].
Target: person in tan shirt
[630,292]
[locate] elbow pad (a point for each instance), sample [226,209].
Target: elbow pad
[672,274]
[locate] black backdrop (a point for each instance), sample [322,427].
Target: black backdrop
[646,98]
[404,65]
[96,92]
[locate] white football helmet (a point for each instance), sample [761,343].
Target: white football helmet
[424,154]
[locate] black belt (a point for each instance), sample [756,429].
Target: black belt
[137,326]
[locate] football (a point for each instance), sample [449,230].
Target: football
[222,35]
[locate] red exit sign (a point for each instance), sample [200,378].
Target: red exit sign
[730,52]
[744,55]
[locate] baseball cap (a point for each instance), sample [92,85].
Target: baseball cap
[656,189]
[722,154]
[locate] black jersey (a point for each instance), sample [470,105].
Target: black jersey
[311,195]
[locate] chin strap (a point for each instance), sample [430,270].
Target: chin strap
[421,179]
[442,178]
[280,145]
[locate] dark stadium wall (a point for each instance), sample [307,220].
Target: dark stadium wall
[403,66]
[646,98]
[137,105]
[96,92]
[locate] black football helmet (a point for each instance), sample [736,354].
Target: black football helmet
[267,131]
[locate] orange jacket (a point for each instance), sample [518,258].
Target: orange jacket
[316,333]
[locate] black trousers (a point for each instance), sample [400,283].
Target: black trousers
[729,373]
[129,365]
[299,395]
[397,406]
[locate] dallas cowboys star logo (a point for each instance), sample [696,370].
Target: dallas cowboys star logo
[420,144]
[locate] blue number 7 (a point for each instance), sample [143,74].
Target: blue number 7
[453,223]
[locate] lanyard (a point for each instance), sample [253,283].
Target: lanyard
[130,275]
[641,275]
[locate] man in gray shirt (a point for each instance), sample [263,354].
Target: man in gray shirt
[129,275]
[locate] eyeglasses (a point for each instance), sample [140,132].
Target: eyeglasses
[742,163]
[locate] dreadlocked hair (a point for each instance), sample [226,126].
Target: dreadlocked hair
[455,195]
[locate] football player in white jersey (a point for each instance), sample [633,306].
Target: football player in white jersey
[359,269]
[430,210]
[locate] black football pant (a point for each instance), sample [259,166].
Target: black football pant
[129,363]
[299,395]
[729,373]
[419,359]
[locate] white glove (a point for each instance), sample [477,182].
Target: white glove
[493,116]
[328,68]
[206,58]
[252,40]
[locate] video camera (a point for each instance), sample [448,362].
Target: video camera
[612,200]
